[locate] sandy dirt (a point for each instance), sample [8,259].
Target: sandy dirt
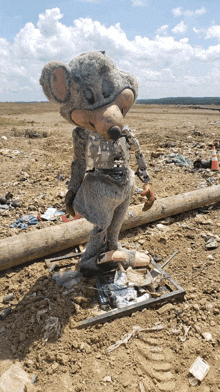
[35,156]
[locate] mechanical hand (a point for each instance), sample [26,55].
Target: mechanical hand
[149,194]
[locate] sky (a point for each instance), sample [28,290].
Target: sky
[172,46]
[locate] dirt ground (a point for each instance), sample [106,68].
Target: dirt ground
[35,156]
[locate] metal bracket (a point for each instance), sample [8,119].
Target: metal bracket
[177,293]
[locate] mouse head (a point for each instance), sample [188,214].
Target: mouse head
[92,92]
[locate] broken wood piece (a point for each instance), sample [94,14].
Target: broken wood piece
[36,244]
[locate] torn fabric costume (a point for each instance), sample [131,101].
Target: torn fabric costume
[102,185]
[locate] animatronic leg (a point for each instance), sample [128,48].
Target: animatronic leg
[95,243]
[116,223]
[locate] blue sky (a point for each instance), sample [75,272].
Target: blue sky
[172,47]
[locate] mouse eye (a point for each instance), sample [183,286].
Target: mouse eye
[106,91]
[89,95]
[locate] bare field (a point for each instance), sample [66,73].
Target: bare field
[35,156]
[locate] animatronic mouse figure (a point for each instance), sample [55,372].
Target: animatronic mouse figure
[95,96]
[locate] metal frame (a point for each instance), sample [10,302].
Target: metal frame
[178,293]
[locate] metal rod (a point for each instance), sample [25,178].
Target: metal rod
[170,258]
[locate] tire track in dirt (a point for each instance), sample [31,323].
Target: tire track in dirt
[156,364]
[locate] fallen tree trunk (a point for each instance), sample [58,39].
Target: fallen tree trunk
[36,244]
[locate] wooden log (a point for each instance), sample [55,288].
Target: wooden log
[36,244]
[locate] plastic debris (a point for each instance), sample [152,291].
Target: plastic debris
[208,337]
[5,313]
[8,298]
[6,202]
[67,278]
[52,214]
[25,221]
[52,328]
[124,297]
[177,159]
[199,164]
[199,368]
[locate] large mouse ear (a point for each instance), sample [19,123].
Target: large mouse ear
[55,79]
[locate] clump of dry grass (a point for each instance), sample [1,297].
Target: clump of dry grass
[29,133]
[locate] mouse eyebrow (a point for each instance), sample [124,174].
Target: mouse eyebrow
[106,91]
[89,95]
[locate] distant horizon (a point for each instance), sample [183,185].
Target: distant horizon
[138,100]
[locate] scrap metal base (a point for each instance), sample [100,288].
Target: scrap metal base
[177,293]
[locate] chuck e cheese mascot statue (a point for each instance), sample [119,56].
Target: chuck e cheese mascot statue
[95,96]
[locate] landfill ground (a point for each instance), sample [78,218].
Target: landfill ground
[35,156]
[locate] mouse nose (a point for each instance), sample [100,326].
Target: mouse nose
[114,133]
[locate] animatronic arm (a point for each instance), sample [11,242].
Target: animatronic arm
[78,167]
[135,146]
[142,169]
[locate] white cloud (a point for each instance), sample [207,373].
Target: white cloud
[164,65]
[200,11]
[162,30]
[178,12]
[180,28]
[137,2]
[213,32]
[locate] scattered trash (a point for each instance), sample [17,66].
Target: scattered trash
[52,214]
[9,153]
[4,137]
[178,160]
[34,378]
[60,177]
[211,244]
[199,369]
[186,331]
[67,278]
[135,330]
[208,337]
[65,219]
[5,312]
[199,164]
[8,298]
[123,297]
[7,203]
[25,221]
[52,328]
